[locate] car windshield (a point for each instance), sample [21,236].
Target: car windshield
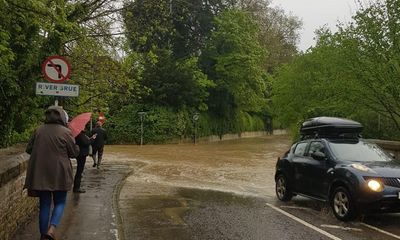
[358,151]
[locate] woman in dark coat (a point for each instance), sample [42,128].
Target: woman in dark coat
[49,173]
[83,141]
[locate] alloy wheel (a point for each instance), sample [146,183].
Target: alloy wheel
[341,204]
[281,187]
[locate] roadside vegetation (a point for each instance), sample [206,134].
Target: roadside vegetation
[233,63]
[353,73]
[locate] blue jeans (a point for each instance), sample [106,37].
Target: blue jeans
[59,198]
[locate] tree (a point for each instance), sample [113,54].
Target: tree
[371,47]
[352,73]
[163,39]
[19,54]
[30,31]
[233,60]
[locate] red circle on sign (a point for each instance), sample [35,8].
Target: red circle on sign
[49,63]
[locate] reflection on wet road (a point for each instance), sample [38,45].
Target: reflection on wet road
[219,191]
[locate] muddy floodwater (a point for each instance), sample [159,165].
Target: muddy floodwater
[187,191]
[242,166]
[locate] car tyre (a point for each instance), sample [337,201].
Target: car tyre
[343,204]
[282,189]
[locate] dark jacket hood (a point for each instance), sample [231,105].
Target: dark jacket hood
[55,114]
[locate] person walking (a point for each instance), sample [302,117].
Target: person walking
[83,141]
[49,172]
[98,144]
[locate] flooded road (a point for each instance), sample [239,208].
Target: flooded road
[244,166]
[221,190]
[218,190]
[208,191]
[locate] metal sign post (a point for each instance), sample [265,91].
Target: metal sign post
[195,119]
[142,115]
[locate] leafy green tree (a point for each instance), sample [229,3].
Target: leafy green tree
[102,79]
[371,47]
[233,61]
[353,73]
[19,56]
[177,83]
[165,55]
[279,31]
[30,31]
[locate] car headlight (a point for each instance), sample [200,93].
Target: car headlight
[375,185]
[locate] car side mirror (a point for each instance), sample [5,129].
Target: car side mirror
[318,155]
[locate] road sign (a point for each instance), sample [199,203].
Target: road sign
[56,69]
[56,89]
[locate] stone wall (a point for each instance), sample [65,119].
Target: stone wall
[15,206]
[215,138]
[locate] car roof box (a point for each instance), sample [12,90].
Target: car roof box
[330,126]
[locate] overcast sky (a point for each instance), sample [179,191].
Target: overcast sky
[316,13]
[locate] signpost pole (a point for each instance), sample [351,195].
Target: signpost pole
[141,114]
[141,130]
[195,119]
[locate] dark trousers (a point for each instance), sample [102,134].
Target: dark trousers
[98,154]
[81,160]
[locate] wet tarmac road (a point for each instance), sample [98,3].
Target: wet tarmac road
[90,215]
[221,190]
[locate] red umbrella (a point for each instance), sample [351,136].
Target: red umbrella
[79,122]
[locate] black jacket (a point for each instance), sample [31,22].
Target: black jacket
[83,142]
[101,137]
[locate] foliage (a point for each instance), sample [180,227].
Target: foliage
[162,124]
[32,30]
[180,58]
[353,73]
[19,55]
[175,83]
[232,59]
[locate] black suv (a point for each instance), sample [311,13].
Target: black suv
[332,163]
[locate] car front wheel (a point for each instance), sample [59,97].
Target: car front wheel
[282,189]
[342,204]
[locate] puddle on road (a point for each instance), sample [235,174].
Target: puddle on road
[177,213]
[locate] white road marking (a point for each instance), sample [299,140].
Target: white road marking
[342,228]
[294,207]
[381,231]
[304,222]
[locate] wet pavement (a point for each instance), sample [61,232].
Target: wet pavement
[89,215]
[220,190]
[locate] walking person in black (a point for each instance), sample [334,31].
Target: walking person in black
[98,144]
[83,141]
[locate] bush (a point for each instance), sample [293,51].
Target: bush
[162,124]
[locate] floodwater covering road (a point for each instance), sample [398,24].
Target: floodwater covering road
[217,190]
[224,190]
